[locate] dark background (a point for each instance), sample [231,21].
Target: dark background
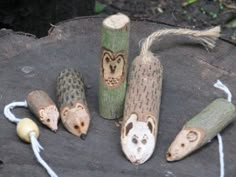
[36,16]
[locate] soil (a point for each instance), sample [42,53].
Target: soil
[198,15]
[36,17]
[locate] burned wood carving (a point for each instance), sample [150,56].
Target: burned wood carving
[72,101]
[142,101]
[113,67]
[44,108]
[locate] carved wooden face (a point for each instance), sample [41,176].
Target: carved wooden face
[113,66]
[185,142]
[138,139]
[49,116]
[76,119]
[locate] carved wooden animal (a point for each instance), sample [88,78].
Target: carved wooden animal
[142,102]
[44,108]
[201,129]
[72,102]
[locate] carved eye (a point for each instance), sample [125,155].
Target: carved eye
[118,61]
[107,59]
[134,140]
[82,124]
[144,141]
[76,127]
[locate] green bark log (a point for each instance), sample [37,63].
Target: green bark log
[113,66]
[213,119]
[201,129]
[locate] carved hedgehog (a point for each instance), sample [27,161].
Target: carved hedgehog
[72,102]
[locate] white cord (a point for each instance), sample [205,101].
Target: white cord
[36,148]
[221,152]
[7,110]
[223,87]
[34,142]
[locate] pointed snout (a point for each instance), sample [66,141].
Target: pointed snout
[83,136]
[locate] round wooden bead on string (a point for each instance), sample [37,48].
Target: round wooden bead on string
[28,131]
[42,106]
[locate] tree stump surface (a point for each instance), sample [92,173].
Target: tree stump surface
[189,74]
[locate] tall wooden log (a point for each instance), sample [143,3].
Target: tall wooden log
[113,66]
[142,106]
[201,129]
[72,102]
[44,108]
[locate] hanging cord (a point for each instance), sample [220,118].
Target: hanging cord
[7,110]
[223,87]
[207,37]
[36,148]
[34,142]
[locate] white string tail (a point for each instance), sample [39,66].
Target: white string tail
[221,152]
[206,37]
[223,87]
[36,148]
[7,110]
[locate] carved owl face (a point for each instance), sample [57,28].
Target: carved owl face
[113,67]
[138,139]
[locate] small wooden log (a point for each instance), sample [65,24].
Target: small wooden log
[113,65]
[142,106]
[72,102]
[201,129]
[44,108]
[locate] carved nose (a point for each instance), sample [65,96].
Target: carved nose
[139,149]
[112,68]
[83,136]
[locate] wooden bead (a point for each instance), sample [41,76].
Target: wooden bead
[25,127]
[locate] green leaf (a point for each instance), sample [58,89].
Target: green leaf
[99,7]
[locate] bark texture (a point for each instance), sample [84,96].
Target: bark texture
[201,129]
[144,88]
[142,107]
[213,119]
[70,88]
[113,66]
[72,101]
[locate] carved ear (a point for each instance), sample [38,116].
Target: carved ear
[65,112]
[151,124]
[130,123]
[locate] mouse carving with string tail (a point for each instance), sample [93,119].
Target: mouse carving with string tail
[43,107]
[142,102]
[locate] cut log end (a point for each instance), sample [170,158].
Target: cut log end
[116,21]
[187,141]
[76,119]
[49,116]
[137,140]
